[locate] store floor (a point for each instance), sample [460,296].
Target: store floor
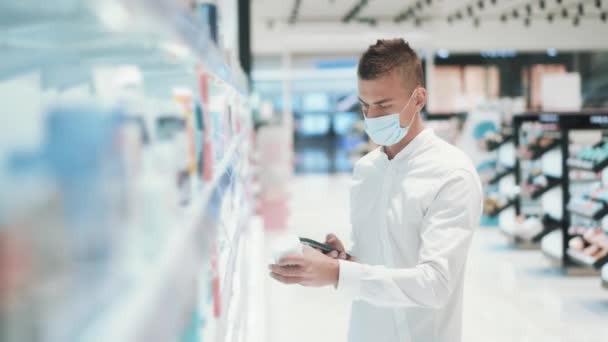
[511,295]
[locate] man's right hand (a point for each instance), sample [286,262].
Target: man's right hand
[333,241]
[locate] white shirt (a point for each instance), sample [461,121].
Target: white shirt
[413,219]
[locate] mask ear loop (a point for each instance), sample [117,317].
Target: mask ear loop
[407,104]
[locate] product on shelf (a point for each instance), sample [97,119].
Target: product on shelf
[527,228]
[499,174]
[536,148]
[592,204]
[493,140]
[532,228]
[494,204]
[588,246]
[539,185]
[586,207]
[593,158]
[584,176]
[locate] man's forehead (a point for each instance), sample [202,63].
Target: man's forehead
[371,91]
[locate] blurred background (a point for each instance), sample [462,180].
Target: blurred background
[151,152]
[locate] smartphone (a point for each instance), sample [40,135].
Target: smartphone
[325,248]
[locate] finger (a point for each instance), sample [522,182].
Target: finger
[292,260]
[287,271]
[333,254]
[343,256]
[285,280]
[333,241]
[330,238]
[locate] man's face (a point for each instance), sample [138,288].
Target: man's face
[387,95]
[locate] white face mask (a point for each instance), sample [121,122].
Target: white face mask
[386,130]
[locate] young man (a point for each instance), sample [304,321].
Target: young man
[415,203]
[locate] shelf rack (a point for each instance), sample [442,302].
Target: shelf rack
[579,121]
[500,175]
[552,183]
[163,38]
[550,120]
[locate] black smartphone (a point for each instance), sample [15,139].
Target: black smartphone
[325,248]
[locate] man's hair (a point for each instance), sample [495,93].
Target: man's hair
[387,55]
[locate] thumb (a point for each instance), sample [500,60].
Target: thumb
[333,241]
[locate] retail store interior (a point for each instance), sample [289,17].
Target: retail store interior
[156,154]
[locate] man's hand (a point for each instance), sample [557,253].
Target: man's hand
[333,241]
[313,268]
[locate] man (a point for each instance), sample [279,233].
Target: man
[415,203]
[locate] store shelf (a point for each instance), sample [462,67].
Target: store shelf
[587,165]
[506,139]
[501,209]
[594,215]
[550,224]
[584,260]
[552,182]
[500,175]
[517,241]
[583,176]
[168,283]
[534,152]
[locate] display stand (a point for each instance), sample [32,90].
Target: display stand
[531,146]
[500,186]
[186,278]
[586,207]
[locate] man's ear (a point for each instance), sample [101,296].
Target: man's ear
[421,98]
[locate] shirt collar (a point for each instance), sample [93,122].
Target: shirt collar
[415,145]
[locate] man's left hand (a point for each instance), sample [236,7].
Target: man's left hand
[313,268]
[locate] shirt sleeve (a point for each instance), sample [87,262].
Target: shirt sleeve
[446,234]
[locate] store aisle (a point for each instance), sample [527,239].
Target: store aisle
[511,295]
[319,205]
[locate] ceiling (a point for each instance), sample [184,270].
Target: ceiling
[331,26]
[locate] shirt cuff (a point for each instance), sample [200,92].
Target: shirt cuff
[349,279]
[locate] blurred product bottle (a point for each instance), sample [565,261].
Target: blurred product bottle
[171,134]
